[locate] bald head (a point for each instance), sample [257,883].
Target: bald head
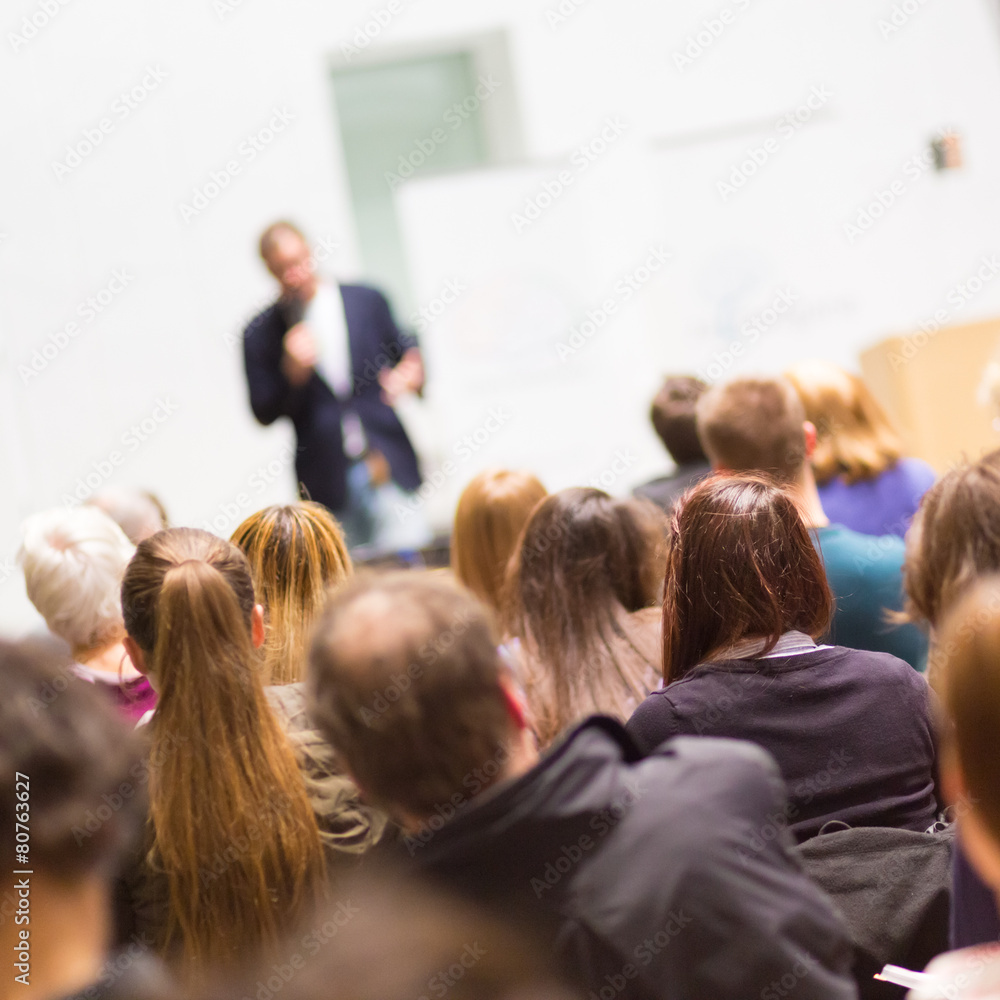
[406,684]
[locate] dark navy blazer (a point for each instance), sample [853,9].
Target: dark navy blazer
[315,411]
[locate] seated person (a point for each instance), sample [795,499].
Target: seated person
[489,518]
[296,553]
[73,561]
[71,775]
[955,541]
[744,601]
[759,425]
[629,868]
[581,608]
[673,417]
[969,682]
[864,481]
[232,855]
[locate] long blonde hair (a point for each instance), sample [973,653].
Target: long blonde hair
[854,437]
[233,830]
[491,512]
[297,554]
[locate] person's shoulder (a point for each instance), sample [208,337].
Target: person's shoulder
[877,669]
[263,322]
[715,763]
[917,472]
[361,292]
[865,550]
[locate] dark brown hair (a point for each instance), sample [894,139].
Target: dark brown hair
[740,564]
[405,680]
[673,417]
[585,564]
[754,425]
[81,767]
[954,538]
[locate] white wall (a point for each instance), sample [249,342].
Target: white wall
[228,67]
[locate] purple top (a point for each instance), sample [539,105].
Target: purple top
[133,698]
[880,506]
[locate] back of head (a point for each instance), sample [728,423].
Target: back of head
[73,562]
[137,513]
[73,755]
[754,425]
[491,513]
[405,680]
[296,553]
[969,683]
[673,416]
[740,564]
[586,561]
[954,539]
[188,601]
[854,437]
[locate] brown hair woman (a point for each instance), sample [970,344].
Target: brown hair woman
[296,554]
[491,513]
[234,849]
[744,600]
[580,603]
[864,481]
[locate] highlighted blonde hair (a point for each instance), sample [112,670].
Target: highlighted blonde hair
[854,437]
[491,513]
[233,791]
[297,554]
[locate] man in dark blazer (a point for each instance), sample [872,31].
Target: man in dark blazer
[332,359]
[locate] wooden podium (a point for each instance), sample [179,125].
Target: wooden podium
[929,380]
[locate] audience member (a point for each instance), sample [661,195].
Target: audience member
[744,601]
[636,871]
[580,603]
[490,516]
[673,416]
[390,937]
[759,425]
[138,513]
[296,553]
[68,771]
[969,682]
[953,542]
[232,852]
[864,481]
[73,561]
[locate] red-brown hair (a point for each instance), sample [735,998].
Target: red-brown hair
[740,565]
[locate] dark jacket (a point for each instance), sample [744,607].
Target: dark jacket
[666,491]
[647,876]
[375,343]
[851,731]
